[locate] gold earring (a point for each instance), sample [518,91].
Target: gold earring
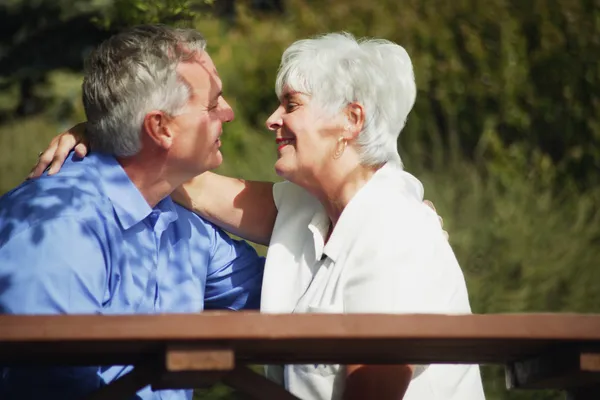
[340,147]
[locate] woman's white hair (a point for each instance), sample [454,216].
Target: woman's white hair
[336,70]
[131,74]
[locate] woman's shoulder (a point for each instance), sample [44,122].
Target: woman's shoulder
[395,205]
[394,190]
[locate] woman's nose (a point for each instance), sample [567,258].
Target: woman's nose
[274,122]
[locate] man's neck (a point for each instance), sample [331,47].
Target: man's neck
[151,176]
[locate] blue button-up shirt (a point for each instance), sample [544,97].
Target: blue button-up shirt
[86,241]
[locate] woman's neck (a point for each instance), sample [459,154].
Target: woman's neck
[336,189]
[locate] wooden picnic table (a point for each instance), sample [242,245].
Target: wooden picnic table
[540,351]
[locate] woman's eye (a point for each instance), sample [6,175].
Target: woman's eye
[291,107]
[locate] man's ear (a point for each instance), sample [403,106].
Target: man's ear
[355,113]
[157,125]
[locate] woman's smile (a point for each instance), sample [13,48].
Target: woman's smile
[282,142]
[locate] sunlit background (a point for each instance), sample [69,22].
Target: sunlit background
[505,133]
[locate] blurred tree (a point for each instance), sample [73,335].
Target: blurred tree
[495,78]
[34,34]
[32,43]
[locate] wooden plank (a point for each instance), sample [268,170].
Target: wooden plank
[190,357]
[256,386]
[309,338]
[196,343]
[283,351]
[590,362]
[559,369]
[186,365]
[251,325]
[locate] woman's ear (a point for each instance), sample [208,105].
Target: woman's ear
[356,120]
[156,126]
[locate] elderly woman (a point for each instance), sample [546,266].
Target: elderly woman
[347,231]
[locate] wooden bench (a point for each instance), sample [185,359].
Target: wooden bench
[540,351]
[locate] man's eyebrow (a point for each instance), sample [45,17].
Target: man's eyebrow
[216,97]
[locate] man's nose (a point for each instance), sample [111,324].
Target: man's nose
[227,111]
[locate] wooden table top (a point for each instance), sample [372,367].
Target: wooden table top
[299,338]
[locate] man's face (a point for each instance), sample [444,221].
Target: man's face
[197,129]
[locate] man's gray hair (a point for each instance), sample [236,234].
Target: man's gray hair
[336,69]
[131,74]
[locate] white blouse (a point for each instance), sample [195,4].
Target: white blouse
[387,254]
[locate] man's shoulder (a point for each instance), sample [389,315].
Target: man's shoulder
[188,221]
[69,194]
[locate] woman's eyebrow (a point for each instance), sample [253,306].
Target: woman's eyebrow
[290,94]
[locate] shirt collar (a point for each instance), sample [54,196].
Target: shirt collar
[356,213]
[319,226]
[168,213]
[129,204]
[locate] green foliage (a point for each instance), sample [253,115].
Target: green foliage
[132,12]
[524,72]
[505,134]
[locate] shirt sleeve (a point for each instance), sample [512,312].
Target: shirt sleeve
[235,274]
[56,267]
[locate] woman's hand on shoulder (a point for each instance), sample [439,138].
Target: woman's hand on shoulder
[430,205]
[54,156]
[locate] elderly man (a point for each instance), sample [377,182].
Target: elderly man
[102,236]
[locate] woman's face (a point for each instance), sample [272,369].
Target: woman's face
[306,138]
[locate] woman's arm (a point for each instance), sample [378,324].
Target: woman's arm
[244,208]
[382,382]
